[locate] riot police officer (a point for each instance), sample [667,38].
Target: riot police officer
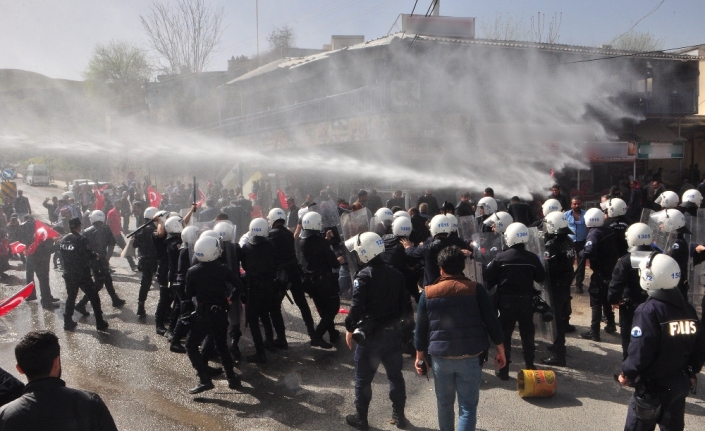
[672,221]
[321,282]
[288,269]
[514,271]
[76,256]
[379,302]
[144,243]
[206,281]
[173,227]
[263,300]
[428,251]
[615,209]
[488,206]
[624,289]
[667,349]
[189,235]
[395,256]
[101,240]
[601,249]
[560,253]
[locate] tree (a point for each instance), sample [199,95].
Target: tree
[281,38]
[511,28]
[184,35]
[638,41]
[118,62]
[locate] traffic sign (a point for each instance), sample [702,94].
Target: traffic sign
[8,175]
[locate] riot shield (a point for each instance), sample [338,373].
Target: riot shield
[466,229]
[485,247]
[660,239]
[354,223]
[545,331]
[696,273]
[645,215]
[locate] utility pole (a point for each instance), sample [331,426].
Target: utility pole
[257,27]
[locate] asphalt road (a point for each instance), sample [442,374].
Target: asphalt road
[145,386]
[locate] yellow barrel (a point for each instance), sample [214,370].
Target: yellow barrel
[536,383]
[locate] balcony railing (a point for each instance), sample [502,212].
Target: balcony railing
[664,104]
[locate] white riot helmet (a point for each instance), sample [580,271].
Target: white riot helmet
[225,230]
[259,227]
[638,234]
[401,227]
[150,212]
[206,249]
[555,221]
[404,214]
[97,215]
[189,234]
[551,205]
[658,272]
[615,207]
[384,214]
[174,214]
[275,214]
[440,224]
[173,225]
[594,217]
[667,199]
[488,205]
[500,220]
[691,199]
[671,220]
[211,233]
[311,223]
[368,246]
[516,233]
[453,222]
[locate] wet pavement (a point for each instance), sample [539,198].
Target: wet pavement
[146,386]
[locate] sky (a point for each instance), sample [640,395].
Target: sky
[56,37]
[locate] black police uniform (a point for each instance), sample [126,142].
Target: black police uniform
[262,296]
[322,283]
[207,282]
[144,243]
[619,225]
[186,306]
[101,239]
[288,266]
[166,296]
[379,297]
[601,249]
[428,251]
[680,252]
[464,209]
[481,226]
[395,256]
[560,253]
[514,271]
[77,255]
[164,306]
[625,290]
[667,345]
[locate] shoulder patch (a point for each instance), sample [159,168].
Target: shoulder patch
[588,244]
[675,246]
[636,332]
[356,283]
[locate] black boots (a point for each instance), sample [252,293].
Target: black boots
[358,420]
[235,335]
[204,384]
[140,309]
[555,360]
[591,335]
[398,417]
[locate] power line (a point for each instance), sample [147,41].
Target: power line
[632,54]
[638,21]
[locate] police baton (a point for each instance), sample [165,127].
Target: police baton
[194,191]
[139,229]
[577,270]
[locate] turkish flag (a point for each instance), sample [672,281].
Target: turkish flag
[202,199]
[155,198]
[282,198]
[99,203]
[17,247]
[42,233]
[8,304]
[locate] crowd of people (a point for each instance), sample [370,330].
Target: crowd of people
[235,260]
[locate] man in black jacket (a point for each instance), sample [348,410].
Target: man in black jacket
[76,254]
[47,403]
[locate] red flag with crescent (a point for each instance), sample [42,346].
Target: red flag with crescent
[9,303]
[201,200]
[42,233]
[17,247]
[282,198]
[155,198]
